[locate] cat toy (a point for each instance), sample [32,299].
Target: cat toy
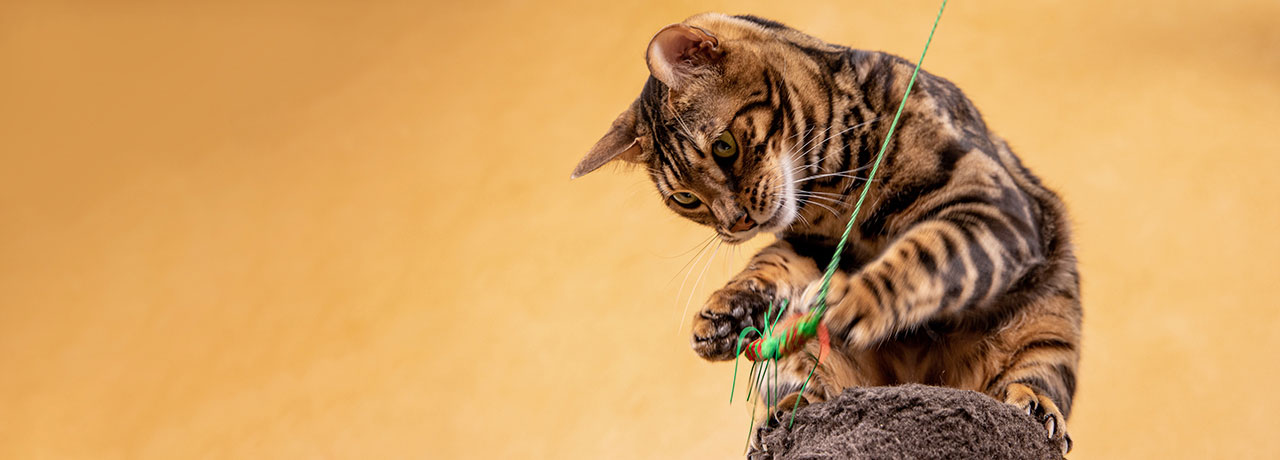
[778,341]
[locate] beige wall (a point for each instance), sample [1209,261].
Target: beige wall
[334,230]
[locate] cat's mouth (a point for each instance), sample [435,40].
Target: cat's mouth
[778,219]
[739,237]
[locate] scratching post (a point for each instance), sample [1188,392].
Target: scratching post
[908,422]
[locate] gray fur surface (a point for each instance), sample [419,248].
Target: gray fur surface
[908,422]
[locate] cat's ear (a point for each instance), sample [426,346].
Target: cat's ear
[679,52]
[621,142]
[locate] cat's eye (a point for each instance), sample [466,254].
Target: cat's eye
[724,146]
[685,199]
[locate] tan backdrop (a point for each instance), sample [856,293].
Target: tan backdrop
[338,230]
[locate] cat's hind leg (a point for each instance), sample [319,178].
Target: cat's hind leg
[1038,354]
[1043,410]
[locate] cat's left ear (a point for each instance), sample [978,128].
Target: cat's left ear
[620,142]
[679,52]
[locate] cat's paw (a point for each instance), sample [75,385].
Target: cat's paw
[1043,410]
[783,413]
[730,310]
[780,415]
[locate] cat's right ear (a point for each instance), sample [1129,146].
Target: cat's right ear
[680,52]
[621,142]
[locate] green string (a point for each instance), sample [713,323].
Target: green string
[796,407]
[821,307]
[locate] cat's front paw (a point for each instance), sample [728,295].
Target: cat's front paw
[730,310]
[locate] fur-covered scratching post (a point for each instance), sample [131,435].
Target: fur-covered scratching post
[908,422]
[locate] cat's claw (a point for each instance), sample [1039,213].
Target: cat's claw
[786,409]
[1043,410]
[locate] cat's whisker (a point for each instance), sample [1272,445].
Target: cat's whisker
[796,183]
[827,206]
[826,194]
[694,290]
[700,243]
[830,201]
[688,269]
[687,133]
[860,168]
[820,176]
[830,196]
[654,172]
[796,152]
[815,203]
[689,272]
[801,150]
[724,263]
[810,144]
[802,219]
[809,165]
[798,133]
[826,199]
[805,136]
[824,157]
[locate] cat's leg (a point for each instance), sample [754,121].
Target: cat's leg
[1038,350]
[1037,404]
[952,265]
[775,273]
[799,383]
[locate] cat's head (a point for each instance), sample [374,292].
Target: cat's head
[708,127]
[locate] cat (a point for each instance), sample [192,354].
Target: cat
[959,271]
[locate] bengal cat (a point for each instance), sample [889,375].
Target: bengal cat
[959,271]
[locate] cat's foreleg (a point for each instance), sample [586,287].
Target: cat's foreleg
[947,265]
[773,274]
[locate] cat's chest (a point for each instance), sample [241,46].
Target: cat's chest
[857,251]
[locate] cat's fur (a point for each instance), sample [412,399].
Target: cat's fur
[959,271]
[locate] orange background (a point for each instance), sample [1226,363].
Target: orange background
[345,230]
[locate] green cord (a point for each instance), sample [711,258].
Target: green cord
[802,387]
[821,306]
[835,259]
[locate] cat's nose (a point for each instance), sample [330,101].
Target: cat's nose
[743,224]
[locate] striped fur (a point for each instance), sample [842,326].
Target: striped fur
[960,271]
